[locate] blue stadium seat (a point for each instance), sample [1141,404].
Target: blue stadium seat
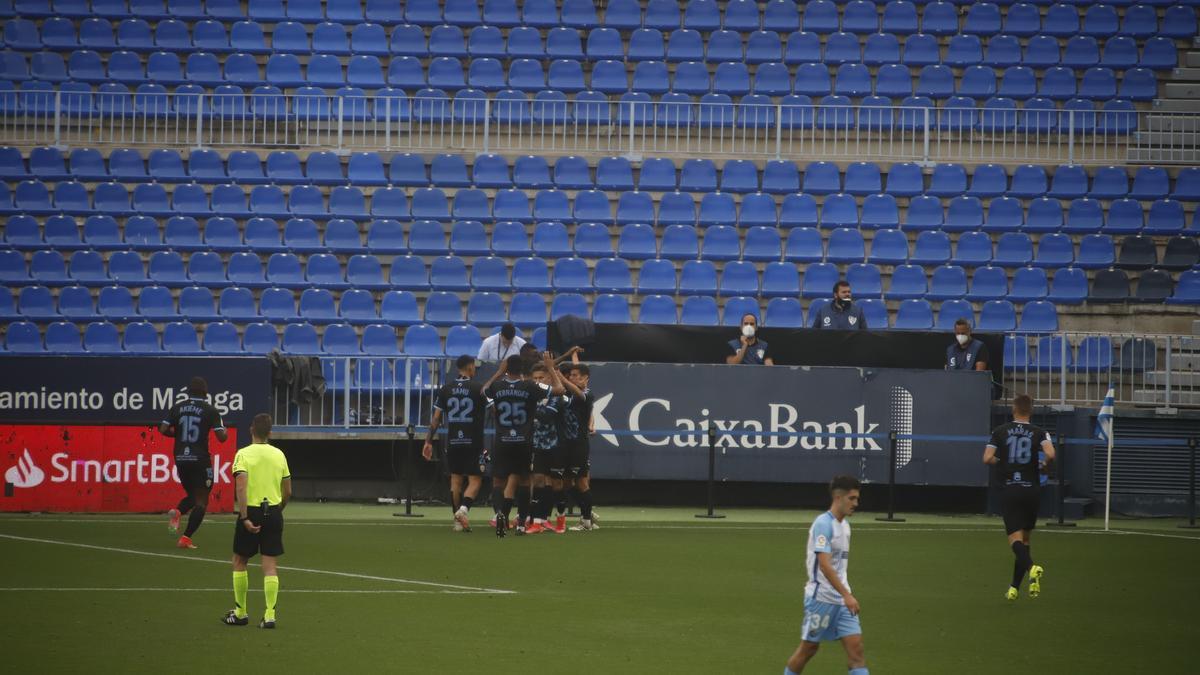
[908,281]
[260,338]
[592,240]
[739,175]
[988,283]
[443,308]
[951,311]
[23,337]
[846,245]
[1028,284]
[819,279]
[865,280]
[399,308]
[720,243]
[948,282]
[1165,217]
[1187,289]
[699,311]
[1069,286]
[914,314]
[196,304]
[762,243]
[1000,316]
[62,337]
[278,305]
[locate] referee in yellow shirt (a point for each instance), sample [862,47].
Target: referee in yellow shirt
[264,486]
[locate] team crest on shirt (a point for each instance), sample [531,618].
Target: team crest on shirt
[953,359]
[460,434]
[512,432]
[821,540]
[761,353]
[852,319]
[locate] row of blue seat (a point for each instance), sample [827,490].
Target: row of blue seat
[820,16]
[693,78]
[551,240]
[908,279]
[918,49]
[924,211]
[572,172]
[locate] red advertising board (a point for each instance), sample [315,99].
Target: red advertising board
[101,469]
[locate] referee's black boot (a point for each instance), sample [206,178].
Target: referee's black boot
[231,619]
[266,624]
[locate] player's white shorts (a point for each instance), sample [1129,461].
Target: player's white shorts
[824,621]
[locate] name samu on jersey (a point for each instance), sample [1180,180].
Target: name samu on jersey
[515,406]
[463,403]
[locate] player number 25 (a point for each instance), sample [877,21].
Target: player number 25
[1019,449]
[511,414]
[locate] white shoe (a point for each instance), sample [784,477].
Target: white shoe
[457,525]
[460,519]
[584,525]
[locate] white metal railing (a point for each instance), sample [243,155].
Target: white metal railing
[630,128]
[1078,368]
[366,391]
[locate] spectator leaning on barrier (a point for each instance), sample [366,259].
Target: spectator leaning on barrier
[748,349]
[842,313]
[966,353]
[502,345]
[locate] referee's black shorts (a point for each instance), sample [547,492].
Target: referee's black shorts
[1019,506]
[195,475]
[268,541]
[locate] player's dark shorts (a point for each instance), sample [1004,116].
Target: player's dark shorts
[1019,505]
[463,460]
[578,459]
[511,459]
[268,541]
[547,462]
[195,475]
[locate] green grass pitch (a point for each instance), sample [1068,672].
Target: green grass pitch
[653,591]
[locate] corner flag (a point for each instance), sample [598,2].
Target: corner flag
[1104,421]
[1104,431]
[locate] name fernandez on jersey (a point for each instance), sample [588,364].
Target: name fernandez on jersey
[1017,445]
[515,405]
[463,403]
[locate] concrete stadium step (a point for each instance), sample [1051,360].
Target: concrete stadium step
[1159,396]
[1187,74]
[1196,327]
[1189,139]
[1191,59]
[1155,156]
[1175,105]
[1181,90]
[1171,123]
[1185,361]
[1158,378]
[1189,344]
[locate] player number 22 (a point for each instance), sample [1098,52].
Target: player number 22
[461,410]
[1019,449]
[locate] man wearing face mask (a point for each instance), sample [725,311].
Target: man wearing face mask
[842,313]
[966,353]
[748,349]
[502,345]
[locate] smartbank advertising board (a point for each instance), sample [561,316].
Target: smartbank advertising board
[78,433]
[95,469]
[645,416]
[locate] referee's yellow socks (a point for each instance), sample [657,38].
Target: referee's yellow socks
[241,582]
[271,590]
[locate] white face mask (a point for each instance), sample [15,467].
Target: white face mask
[962,339]
[748,330]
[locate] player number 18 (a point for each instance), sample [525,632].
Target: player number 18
[1019,449]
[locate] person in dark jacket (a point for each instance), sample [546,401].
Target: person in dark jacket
[842,313]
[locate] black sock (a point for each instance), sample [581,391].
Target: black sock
[585,505]
[535,503]
[468,501]
[560,501]
[1023,563]
[194,520]
[547,503]
[508,506]
[523,505]
[185,505]
[497,500]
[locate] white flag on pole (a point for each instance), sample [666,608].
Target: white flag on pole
[1104,431]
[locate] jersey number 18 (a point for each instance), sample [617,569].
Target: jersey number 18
[1019,449]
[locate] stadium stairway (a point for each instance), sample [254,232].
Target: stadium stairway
[1169,138]
[1184,378]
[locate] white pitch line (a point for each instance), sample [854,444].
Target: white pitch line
[380,591]
[1157,534]
[350,575]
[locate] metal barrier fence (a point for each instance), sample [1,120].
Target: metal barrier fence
[1162,371]
[366,392]
[598,125]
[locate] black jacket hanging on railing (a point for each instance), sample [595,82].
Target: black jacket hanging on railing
[300,375]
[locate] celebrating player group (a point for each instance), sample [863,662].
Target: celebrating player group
[542,416]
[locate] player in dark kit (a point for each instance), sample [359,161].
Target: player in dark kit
[1013,449]
[546,446]
[514,404]
[577,427]
[189,423]
[464,405]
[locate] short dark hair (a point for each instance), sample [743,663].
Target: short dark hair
[261,426]
[581,367]
[752,315]
[538,368]
[198,387]
[962,322]
[528,347]
[508,331]
[464,361]
[516,364]
[1023,405]
[839,284]
[844,484]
